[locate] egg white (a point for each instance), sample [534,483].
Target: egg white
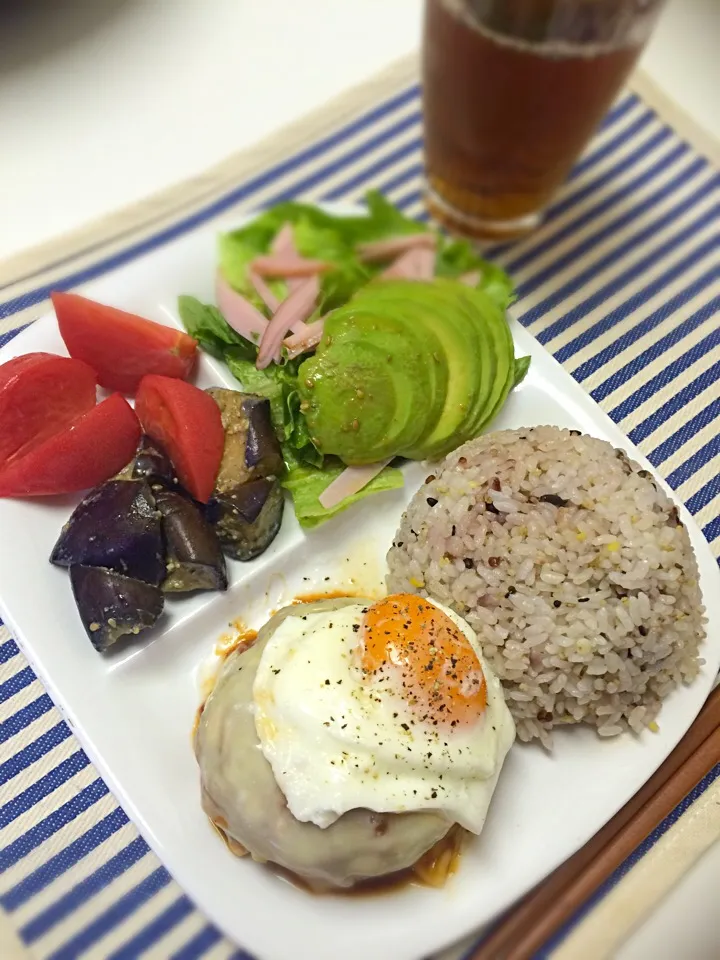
[336,744]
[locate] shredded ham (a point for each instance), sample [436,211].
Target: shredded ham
[242,316]
[284,241]
[302,342]
[424,263]
[395,246]
[272,302]
[287,265]
[415,264]
[296,308]
[350,481]
[284,244]
[471,279]
[263,291]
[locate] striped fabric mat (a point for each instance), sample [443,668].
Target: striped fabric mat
[621,284]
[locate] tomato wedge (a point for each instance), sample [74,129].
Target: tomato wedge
[41,394]
[187,423]
[121,347]
[87,453]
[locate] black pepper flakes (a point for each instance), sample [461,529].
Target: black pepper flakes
[469,563]
[431,501]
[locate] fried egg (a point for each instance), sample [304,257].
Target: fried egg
[387,706]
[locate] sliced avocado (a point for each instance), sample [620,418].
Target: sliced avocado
[438,310]
[437,341]
[498,353]
[487,361]
[357,405]
[405,351]
[407,368]
[498,331]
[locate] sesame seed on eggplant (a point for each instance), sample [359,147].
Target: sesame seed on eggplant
[117,526]
[248,518]
[112,605]
[193,555]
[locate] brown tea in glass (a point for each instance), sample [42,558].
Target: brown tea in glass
[512,92]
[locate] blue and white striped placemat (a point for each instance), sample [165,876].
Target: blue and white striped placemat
[621,284]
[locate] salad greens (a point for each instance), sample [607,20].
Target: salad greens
[306,484]
[324,236]
[334,239]
[307,471]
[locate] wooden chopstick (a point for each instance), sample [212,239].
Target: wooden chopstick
[545,909]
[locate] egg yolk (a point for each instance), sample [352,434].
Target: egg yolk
[412,644]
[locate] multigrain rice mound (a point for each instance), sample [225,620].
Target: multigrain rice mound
[573,567]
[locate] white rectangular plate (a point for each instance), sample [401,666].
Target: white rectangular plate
[133,711]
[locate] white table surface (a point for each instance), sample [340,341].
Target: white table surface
[104,102]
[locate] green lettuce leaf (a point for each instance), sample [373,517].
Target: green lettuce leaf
[208,326]
[456,257]
[347,275]
[276,382]
[497,284]
[522,365]
[383,220]
[306,484]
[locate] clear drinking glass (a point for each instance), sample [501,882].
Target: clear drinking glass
[512,91]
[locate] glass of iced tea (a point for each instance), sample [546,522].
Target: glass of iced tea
[512,92]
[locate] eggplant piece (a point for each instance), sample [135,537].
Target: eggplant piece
[116,526]
[262,447]
[248,518]
[194,558]
[112,605]
[252,449]
[247,504]
[151,463]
